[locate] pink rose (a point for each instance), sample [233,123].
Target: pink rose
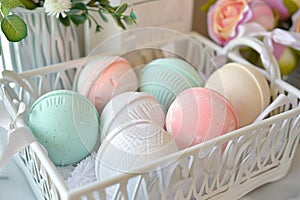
[284,8]
[225,16]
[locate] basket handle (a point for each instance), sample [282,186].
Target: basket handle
[268,60]
[13,76]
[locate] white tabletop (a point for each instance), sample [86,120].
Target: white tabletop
[288,188]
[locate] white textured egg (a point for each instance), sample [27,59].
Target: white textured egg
[128,149]
[130,107]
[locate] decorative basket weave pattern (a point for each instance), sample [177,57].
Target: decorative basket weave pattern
[226,167]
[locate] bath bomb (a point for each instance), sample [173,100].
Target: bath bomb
[105,77]
[128,149]
[66,124]
[197,115]
[130,107]
[245,87]
[165,78]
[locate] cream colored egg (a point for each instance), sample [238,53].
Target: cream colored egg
[245,88]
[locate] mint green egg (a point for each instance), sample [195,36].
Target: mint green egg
[66,124]
[165,78]
[180,66]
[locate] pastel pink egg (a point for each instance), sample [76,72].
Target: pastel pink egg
[199,114]
[106,77]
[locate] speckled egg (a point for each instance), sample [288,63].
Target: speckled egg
[245,87]
[66,124]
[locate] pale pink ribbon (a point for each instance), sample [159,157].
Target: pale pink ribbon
[280,36]
[17,137]
[286,38]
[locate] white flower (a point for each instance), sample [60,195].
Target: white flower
[57,7]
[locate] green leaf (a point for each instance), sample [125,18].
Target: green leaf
[78,19]
[74,11]
[29,4]
[92,3]
[128,20]
[121,8]
[119,22]
[79,5]
[14,28]
[207,4]
[103,17]
[89,22]
[291,6]
[65,20]
[8,5]
[98,28]
[132,15]
[104,3]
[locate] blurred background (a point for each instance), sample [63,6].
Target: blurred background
[183,16]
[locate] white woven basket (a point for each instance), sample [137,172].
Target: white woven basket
[255,155]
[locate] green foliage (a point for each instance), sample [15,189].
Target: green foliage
[78,19]
[103,8]
[207,4]
[291,6]
[65,21]
[15,29]
[29,4]
[8,5]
